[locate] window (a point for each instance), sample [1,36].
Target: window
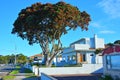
[35,58]
[68,58]
[113,61]
[63,58]
[73,57]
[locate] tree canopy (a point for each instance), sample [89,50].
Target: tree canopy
[45,23]
[10,59]
[117,42]
[42,20]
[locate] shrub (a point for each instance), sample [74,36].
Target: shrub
[106,77]
[28,70]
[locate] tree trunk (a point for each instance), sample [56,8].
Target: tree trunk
[48,61]
[48,53]
[46,58]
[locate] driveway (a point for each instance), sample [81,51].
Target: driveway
[78,77]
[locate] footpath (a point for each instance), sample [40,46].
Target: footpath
[23,76]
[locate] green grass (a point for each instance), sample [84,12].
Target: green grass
[33,76]
[14,72]
[18,67]
[9,77]
[72,65]
[11,74]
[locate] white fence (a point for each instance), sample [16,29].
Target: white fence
[86,69]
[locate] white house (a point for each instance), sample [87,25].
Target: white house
[82,51]
[37,58]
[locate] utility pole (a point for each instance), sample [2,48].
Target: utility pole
[15,53]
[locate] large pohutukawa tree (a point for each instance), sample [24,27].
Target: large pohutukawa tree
[46,23]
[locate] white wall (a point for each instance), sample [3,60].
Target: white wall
[86,69]
[94,59]
[99,59]
[96,42]
[89,58]
[99,43]
[81,46]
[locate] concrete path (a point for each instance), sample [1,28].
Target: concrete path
[22,75]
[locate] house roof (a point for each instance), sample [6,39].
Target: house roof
[78,41]
[36,55]
[111,49]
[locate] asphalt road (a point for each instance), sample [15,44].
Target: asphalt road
[4,69]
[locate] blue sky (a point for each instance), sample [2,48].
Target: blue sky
[105,15]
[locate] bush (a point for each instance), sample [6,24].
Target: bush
[36,64]
[28,70]
[106,77]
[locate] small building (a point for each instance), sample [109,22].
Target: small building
[37,58]
[111,61]
[82,51]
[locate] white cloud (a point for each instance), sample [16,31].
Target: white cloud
[111,7]
[107,32]
[96,25]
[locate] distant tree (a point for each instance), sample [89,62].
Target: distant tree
[110,44]
[4,59]
[97,51]
[1,59]
[7,58]
[12,59]
[21,59]
[46,23]
[117,42]
[30,60]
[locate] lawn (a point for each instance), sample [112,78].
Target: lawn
[8,77]
[11,74]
